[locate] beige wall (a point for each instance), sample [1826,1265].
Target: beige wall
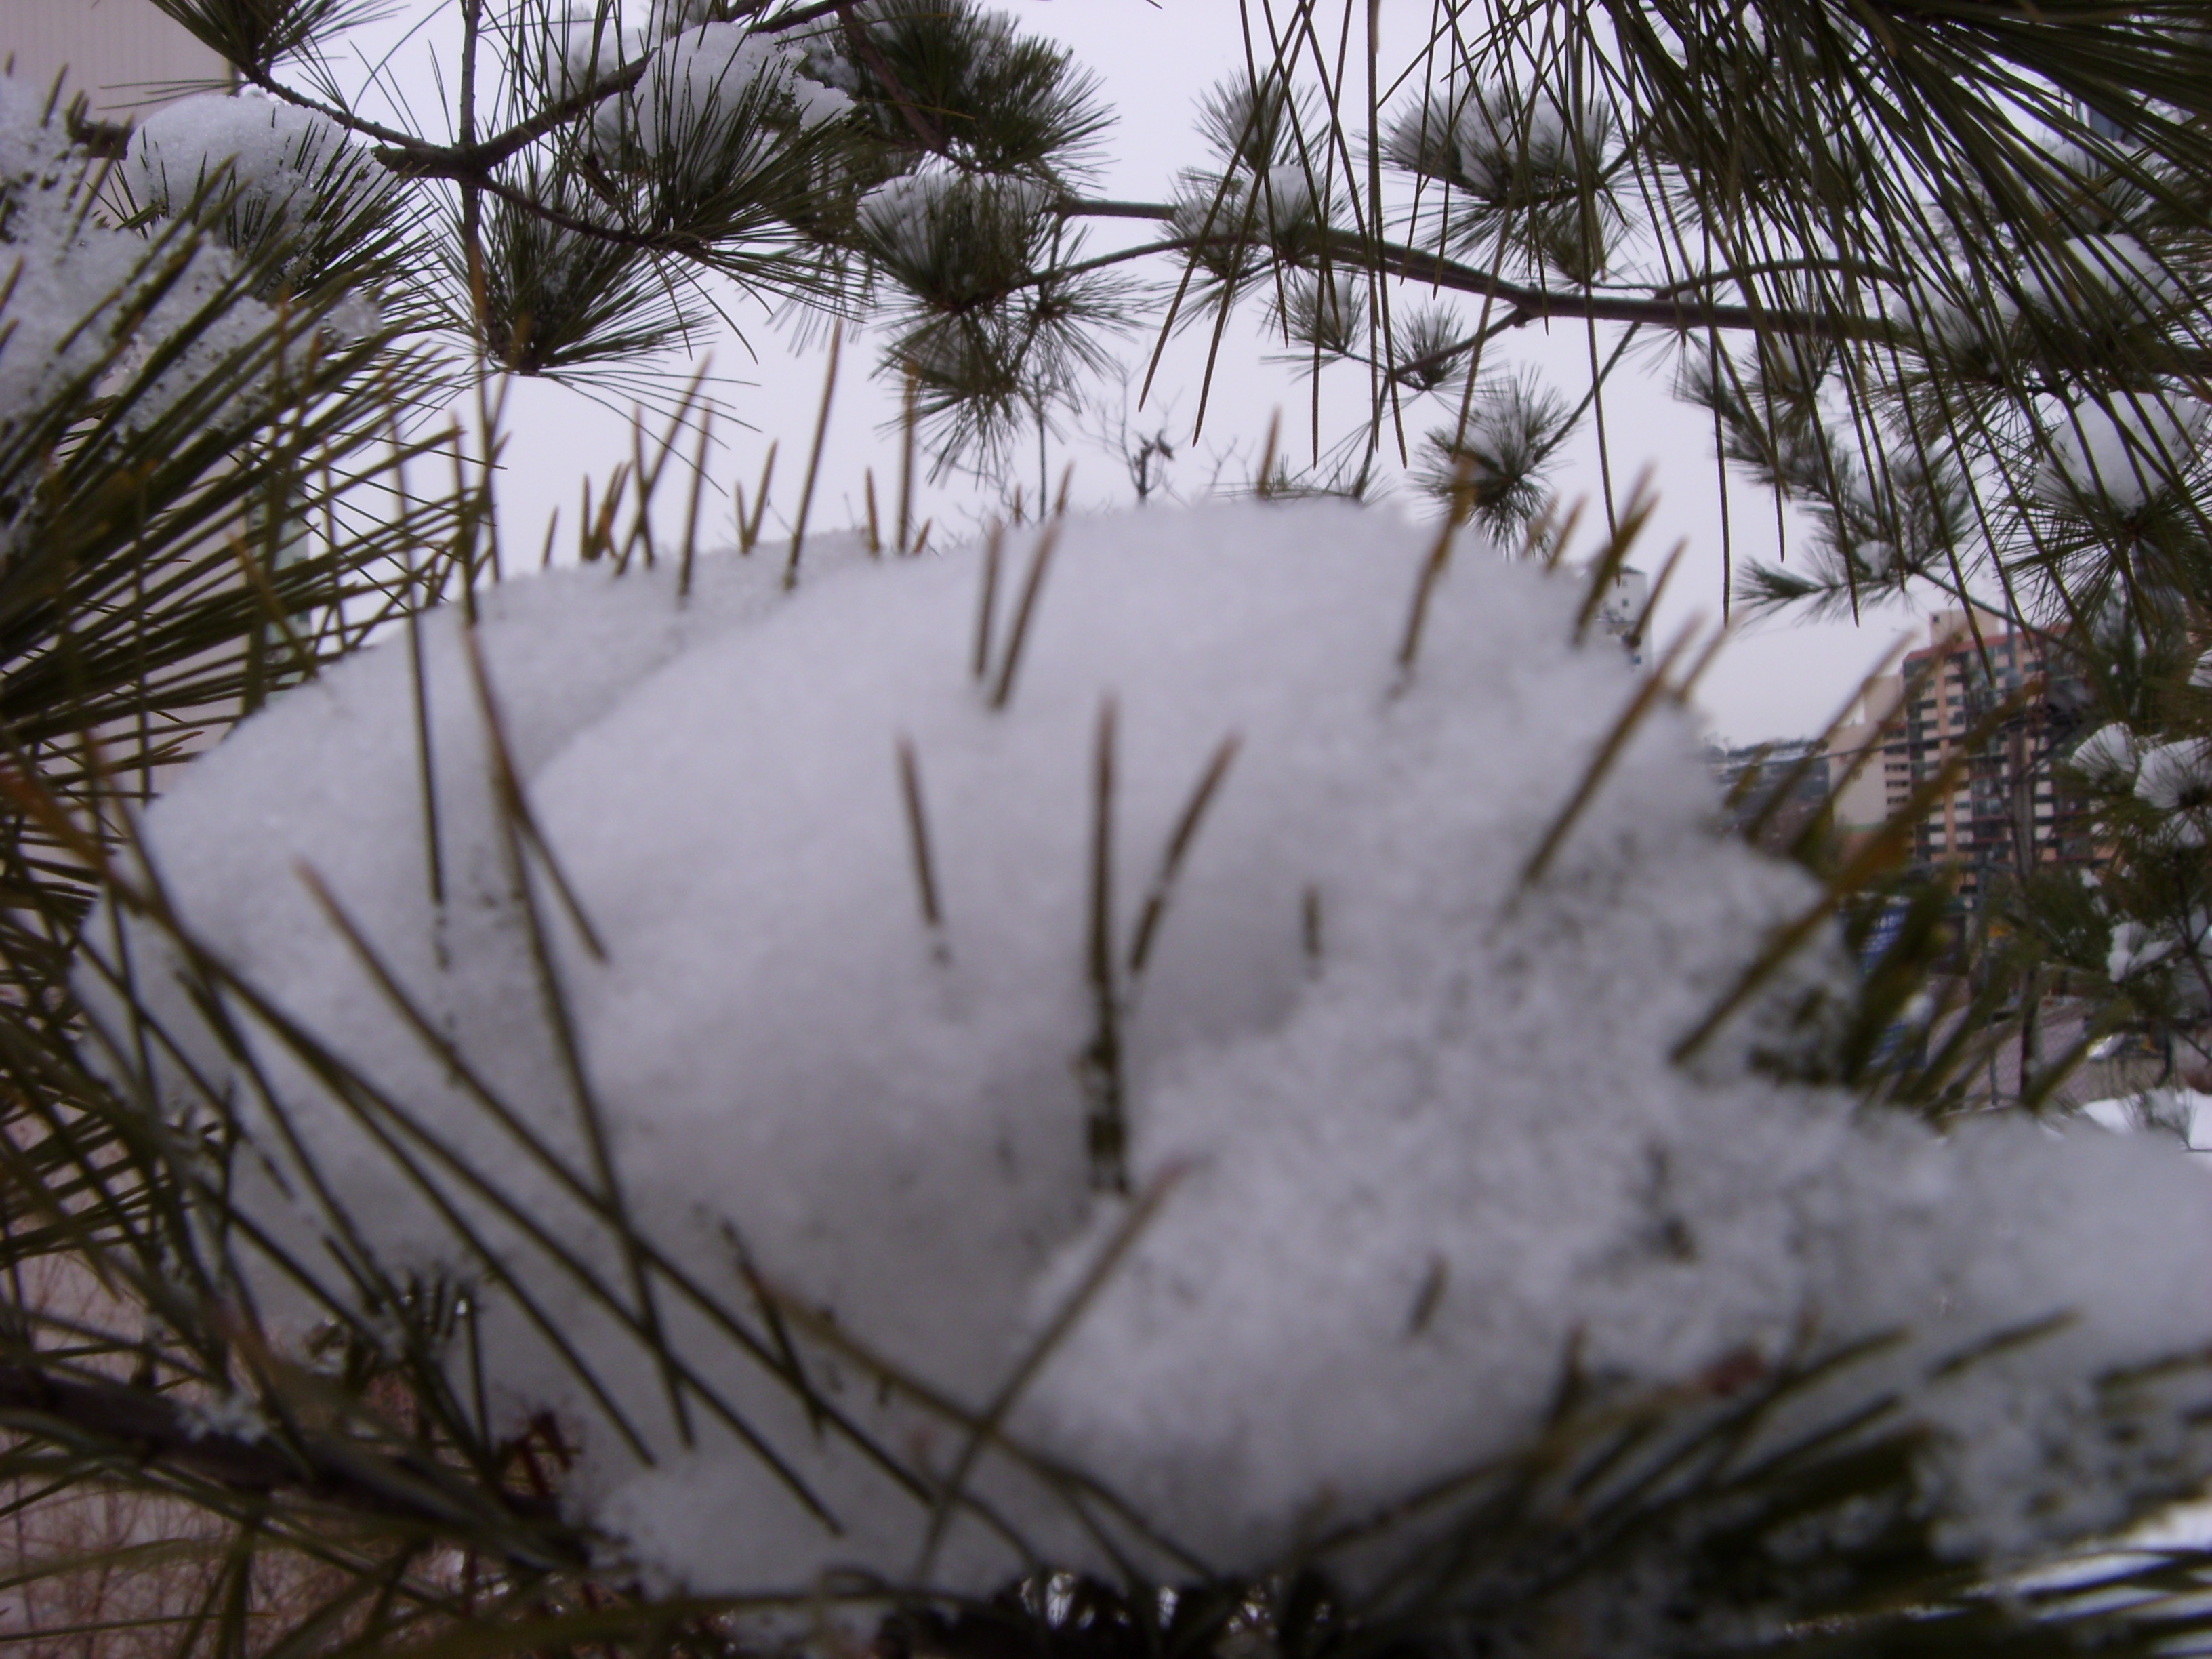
[1866,800]
[122,52]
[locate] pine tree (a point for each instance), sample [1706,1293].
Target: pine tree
[1934,272]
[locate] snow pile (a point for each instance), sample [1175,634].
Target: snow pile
[2138,449]
[862,981]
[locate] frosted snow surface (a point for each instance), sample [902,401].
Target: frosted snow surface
[2109,755]
[269,154]
[1400,1129]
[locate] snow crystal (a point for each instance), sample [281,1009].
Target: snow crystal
[1403,1127]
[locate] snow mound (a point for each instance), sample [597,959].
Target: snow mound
[1214,1110]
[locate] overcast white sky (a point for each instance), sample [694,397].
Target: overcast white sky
[1155,61]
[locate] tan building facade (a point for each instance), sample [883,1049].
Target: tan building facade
[1862,782]
[2007,812]
[121,54]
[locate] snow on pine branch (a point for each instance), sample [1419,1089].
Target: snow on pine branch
[152,321]
[269,155]
[875,900]
[2135,447]
[705,79]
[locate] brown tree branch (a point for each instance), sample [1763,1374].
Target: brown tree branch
[154,1428]
[1668,308]
[864,49]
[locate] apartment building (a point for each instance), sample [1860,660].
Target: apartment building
[1977,697]
[1779,787]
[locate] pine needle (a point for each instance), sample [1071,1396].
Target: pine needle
[1024,611]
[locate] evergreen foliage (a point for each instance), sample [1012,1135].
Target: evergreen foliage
[1935,272]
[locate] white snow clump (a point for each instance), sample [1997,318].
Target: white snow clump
[707,79]
[2176,778]
[1282,203]
[2135,947]
[907,213]
[2137,450]
[2089,279]
[272,155]
[584,46]
[872,960]
[2108,755]
[1489,139]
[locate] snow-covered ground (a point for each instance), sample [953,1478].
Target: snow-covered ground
[2181,1113]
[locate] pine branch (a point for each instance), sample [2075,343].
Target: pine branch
[1667,306]
[159,1430]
